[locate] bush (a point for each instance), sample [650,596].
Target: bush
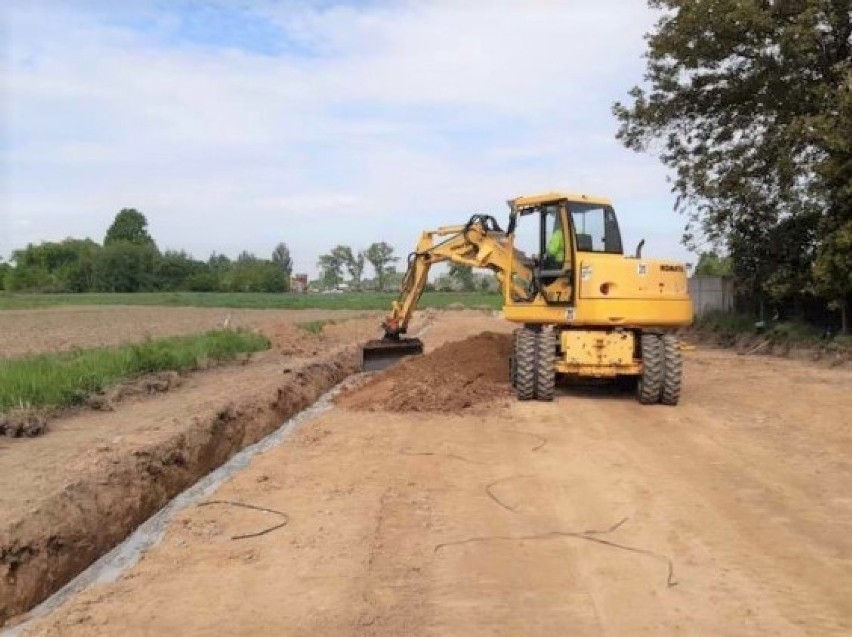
[726,323]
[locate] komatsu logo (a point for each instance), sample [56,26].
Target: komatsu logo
[672,268]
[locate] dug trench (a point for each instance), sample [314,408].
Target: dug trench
[123,482]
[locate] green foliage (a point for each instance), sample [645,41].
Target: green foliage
[129,226]
[315,327]
[174,268]
[330,266]
[832,271]
[5,270]
[125,267]
[354,263]
[795,330]
[711,264]
[380,256]
[281,258]
[54,266]
[344,301]
[59,380]
[730,324]
[392,278]
[750,103]
[726,323]
[250,274]
[130,262]
[463,276]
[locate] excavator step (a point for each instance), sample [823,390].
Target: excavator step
[382,353]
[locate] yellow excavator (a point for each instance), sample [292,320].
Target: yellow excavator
[585,309]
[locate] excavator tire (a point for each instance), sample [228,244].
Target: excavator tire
[673,370]
[650,384]
[525,367]
[545,374]
[513,372]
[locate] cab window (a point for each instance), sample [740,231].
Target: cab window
[596,228]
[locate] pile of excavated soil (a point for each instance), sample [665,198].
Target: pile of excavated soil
[455,376]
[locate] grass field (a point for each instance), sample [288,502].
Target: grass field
[345,301]
[60,380]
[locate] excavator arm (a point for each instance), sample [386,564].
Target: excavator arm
[480,243]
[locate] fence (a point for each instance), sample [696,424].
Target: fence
[711,293]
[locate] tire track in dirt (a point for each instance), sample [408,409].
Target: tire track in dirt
[757,532]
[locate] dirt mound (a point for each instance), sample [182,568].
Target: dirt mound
[455,376]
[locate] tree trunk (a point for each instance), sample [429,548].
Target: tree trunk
[844,316]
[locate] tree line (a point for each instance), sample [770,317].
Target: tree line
[749,103]
[342,260]
[129,261]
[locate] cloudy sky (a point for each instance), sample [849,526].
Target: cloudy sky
[235,125]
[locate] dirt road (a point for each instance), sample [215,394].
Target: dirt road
[728,515]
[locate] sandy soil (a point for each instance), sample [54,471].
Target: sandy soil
[456,377]
[59,329]
[728,515]
[71,494]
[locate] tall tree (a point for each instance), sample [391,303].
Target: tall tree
[380,255]
[281,257]
[711,264]
[129,226]
[463,276]
[5,269]
[125,267]
[750,103]
[833,274]
[353,262]
[330,266]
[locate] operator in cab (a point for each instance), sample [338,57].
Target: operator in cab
[556,245]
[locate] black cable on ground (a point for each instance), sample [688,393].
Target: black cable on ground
[254,508]
[406,452]
[589,536]
[498,500]
[541,439]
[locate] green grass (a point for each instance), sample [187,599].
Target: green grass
[793,331]
[65,379]
[844,341]
[345,301]
[314,327]
[726,323]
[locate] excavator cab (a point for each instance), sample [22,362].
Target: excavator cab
[542,246]
[552,230]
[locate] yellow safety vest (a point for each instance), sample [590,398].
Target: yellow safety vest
[556,246]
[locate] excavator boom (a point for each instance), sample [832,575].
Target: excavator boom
[479,243]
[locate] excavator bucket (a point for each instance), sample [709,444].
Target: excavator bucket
[382,353]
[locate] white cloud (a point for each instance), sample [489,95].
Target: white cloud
[370,123]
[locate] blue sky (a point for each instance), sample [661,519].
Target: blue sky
[236,125]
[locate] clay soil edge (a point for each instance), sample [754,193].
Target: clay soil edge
[67,532]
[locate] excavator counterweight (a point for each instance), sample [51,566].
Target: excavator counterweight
[381,353]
